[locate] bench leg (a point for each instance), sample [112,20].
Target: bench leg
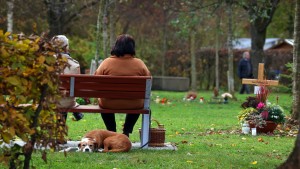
[145,130]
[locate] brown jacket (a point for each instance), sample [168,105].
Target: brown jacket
[122,66]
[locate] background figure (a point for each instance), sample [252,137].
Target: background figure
[245,71]
[122,62]
[62,42]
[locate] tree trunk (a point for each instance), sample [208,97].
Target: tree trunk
[104,28]
[29,146]
[258,29]
[293,160]
[164,46]
[193,61]
[230,51]
[218,21]
[296,65]
[10,14]
[98,37]
[55,16]
[258,38]
[112,24]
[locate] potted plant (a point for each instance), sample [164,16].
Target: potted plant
[260,113]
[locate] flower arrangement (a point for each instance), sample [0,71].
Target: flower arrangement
[258,110]
[190,96]
[226,96]
[162,100]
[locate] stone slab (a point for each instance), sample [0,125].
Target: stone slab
[170,83]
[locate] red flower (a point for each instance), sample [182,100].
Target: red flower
[163,100]
[265,114]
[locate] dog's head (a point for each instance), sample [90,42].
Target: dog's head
[87,145]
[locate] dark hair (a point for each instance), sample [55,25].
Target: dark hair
[124,45]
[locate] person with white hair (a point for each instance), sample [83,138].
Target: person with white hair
[62,42]
[245,71]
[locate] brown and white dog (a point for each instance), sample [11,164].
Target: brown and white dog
[109,141]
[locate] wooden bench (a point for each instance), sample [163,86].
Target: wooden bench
[113,87]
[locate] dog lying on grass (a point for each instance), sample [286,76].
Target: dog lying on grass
[104,141]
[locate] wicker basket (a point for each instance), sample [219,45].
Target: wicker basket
[157,135]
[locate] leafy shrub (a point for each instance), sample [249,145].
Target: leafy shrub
[29,90]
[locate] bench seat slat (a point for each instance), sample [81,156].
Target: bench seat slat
[97,109]
[113,80]
[109,94]
[107,79]
[117,87]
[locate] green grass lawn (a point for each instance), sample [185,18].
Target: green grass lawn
[206,135]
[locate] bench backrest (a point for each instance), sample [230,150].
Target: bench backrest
[103,86]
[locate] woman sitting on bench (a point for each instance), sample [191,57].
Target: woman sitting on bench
[122,62]
[61,41]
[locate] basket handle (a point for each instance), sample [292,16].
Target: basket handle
[161,126]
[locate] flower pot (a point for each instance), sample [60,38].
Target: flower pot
[269,127]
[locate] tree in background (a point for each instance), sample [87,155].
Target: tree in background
[60,13]
[187,23]
[296,65]
[146,21]
[230,74]
[217,62]
[293,161]
[260,16]
[282,25]
[10,14]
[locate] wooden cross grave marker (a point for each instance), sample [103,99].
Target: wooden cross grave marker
[260,78]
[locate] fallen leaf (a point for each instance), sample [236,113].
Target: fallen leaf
[184,142]
[260,139]
[188,161]
[254,162]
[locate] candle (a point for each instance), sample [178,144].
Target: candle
[253,131]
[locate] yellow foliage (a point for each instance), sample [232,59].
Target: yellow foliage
[4,54]
[14,80]
[50,69]
[41,59]
[28,69]
[6,34]
[6,136]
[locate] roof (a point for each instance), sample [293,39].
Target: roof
[245,43]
